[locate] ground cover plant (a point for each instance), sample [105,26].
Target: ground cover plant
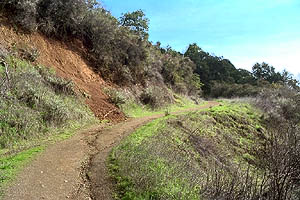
[219,153]
[10,165]
[34,100]
[134,109]
[150,101]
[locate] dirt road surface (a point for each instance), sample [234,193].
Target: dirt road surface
[76,168]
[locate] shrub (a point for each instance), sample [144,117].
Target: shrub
[178,73]
[32,100]
[156,97]
[119,50]
[281,153]
[61,18]
[22,12]
[17,121]
[116,97]
[25,52]
[230,90]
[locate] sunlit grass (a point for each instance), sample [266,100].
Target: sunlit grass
[135,110]
[164,158]
[11,165]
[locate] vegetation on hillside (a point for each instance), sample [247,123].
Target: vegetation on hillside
[36,107]
[119,49]
[34,102]
[221,78]
[228,152]
[231,151]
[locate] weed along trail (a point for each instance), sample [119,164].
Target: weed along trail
[76,168]
[100,182]
[55,173]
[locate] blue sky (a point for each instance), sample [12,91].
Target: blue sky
[244,31]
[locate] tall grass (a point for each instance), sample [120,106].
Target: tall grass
[134,109]
[33,101]
[200,155]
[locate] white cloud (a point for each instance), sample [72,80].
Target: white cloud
[281,55]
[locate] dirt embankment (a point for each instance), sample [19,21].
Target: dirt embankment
[68,61]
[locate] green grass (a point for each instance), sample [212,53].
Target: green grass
[124,184]
[37,109]
[36,102]
[135,110]
[172,157]
[11,165]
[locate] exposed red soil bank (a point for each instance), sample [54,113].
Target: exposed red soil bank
[68,62]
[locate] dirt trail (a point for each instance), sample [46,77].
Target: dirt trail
[61,171]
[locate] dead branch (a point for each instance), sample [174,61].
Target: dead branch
[6,80]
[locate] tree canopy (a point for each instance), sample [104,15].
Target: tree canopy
[120,51]
[136,22]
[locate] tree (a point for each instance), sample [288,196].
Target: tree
[289,80]
[136,22]
[62,17]
[199,57]
[211,68]
[243,76]
[266,72]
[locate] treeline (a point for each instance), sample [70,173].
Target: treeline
[120,51]
[221,78]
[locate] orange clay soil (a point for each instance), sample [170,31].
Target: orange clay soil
[68,62]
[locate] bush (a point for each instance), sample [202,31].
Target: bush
[156,97]
[230,90]
[25,52]
[32,100]
[16,122]
[22,12]
[178,73]
[116,97]
[118,50]
[280,156]
[61,18]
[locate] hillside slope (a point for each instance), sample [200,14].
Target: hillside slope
[68,62]
[60,171]
[201,155]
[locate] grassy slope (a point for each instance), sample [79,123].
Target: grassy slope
[182,157]
[38,108]
[136,110]
[38,103]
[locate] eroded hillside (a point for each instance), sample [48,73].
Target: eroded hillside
[67,58]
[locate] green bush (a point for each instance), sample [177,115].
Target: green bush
[178,73]
[23,12]
[116,97]
[119,50]
[23,51]
[230,90]
[156,97]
